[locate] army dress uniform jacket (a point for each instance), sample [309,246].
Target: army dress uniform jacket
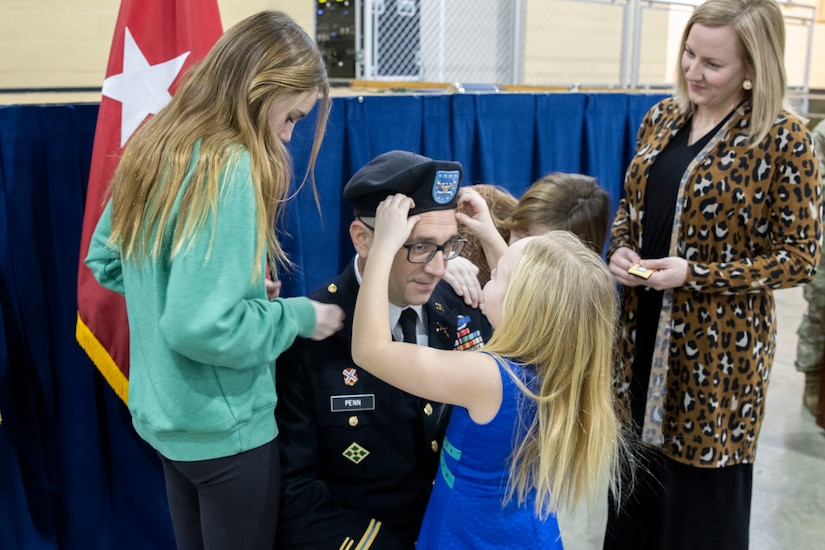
[358,456]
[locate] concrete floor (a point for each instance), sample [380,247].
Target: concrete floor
[788,507]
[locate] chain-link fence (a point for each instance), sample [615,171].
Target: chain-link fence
[440,40]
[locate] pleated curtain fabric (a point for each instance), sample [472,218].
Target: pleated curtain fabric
[45,159]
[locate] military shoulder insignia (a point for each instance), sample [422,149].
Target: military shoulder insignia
[350,376]
[332,288]
[355,452]
[445,186]
[465,338]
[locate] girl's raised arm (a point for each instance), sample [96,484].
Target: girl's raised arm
[476,216]
[469,379]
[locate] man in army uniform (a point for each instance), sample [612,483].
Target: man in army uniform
[358,457]
[809,350]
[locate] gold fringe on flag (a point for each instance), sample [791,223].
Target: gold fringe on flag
[101,358]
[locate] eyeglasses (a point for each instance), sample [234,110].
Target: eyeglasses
[421,253]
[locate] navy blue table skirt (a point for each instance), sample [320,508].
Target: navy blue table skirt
[73,474]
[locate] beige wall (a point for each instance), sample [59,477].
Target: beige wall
[568,41]
[582,43]
[65,43]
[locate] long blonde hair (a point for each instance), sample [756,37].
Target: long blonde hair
[761,30]
[559,315]
[222,105]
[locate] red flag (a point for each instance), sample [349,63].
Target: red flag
[155,42]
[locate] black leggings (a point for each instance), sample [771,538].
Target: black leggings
[229,502]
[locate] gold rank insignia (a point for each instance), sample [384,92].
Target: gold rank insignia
[439,327]
[332,288]
[439,306]
[355,452]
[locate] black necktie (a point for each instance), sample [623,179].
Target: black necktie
[407,322]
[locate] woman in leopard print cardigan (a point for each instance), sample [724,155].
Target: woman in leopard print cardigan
[722,204]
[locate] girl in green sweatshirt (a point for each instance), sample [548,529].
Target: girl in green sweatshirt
[185,238]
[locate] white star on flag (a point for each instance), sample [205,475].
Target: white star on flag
[142,89]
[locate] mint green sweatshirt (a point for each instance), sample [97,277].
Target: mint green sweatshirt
[203,335]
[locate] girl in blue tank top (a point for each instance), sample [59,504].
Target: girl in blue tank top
[535,424]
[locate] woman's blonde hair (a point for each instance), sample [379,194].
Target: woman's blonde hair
[221,107]
[559,315]
[573,202]
[760,27]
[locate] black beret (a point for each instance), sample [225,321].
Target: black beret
[432,184]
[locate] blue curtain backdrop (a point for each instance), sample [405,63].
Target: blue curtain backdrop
[73,474]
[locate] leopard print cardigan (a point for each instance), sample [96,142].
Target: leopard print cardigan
[747,221]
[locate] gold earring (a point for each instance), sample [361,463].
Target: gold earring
[747,84]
